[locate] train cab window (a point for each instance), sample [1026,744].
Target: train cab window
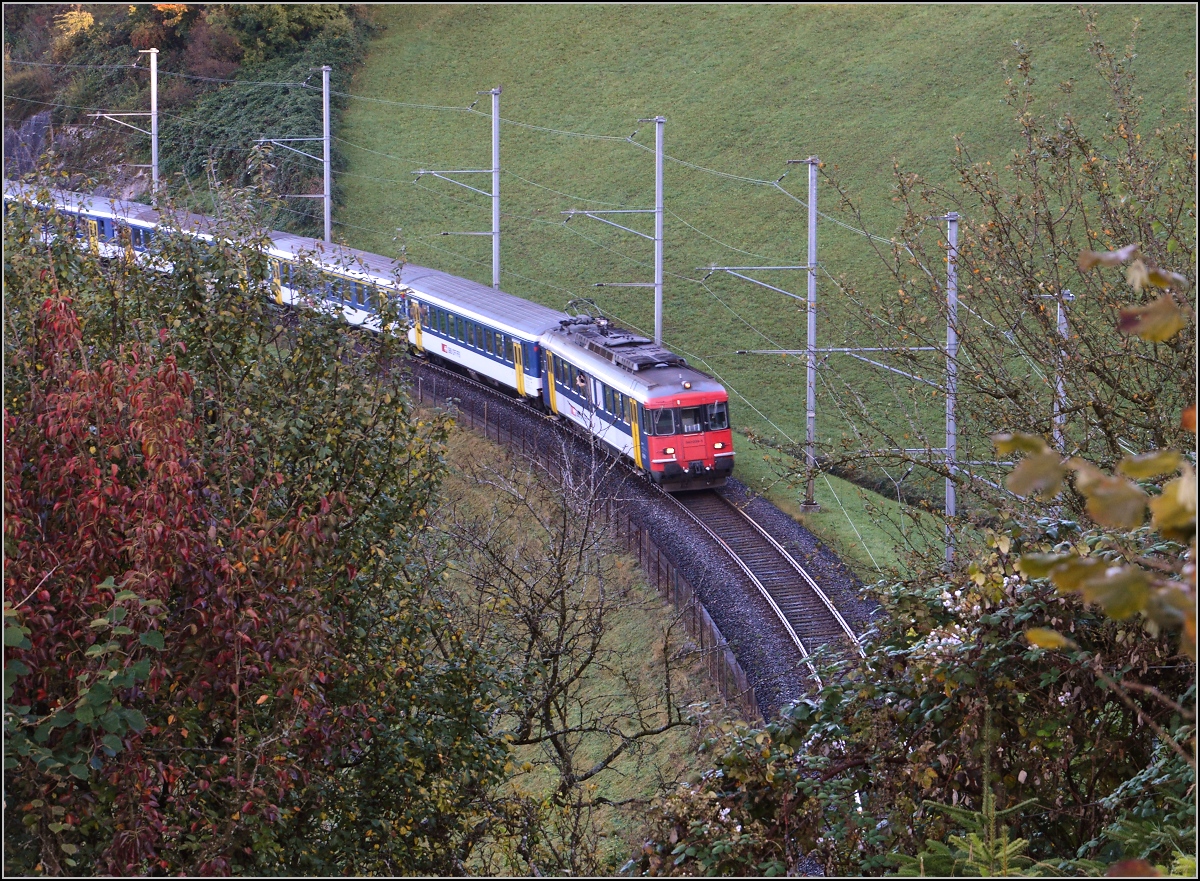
[718,416]
[689,419]
[662,422]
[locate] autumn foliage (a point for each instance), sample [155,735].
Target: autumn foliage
[138,569]
[221,653]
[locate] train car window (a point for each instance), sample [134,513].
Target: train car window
[664,422]
[689,419]
[508,349]
[622,411]
[718,416]
[488,342]
[472,334]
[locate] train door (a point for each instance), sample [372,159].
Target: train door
[93,234]
[548,379]
[414,311]
[640,453]
[277,281]
[519,362]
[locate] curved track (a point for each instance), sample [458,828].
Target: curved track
[807,613]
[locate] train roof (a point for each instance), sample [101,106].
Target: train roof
[464,296]
[631,364]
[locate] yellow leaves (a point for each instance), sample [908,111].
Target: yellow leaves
[1152,464]
[1045,638]
[1156,322]
[1088,259]
[1042,472]
[1174,511]
[1121,591]
[1140,275]
[1010,442]
[1111,501]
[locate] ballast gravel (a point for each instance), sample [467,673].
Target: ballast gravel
[759,642]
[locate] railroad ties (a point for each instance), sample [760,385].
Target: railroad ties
[804,609]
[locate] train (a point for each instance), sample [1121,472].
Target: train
[641,401]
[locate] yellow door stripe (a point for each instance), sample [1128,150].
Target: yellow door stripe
[549,380]
[637,439]
[414,309]
[519,362]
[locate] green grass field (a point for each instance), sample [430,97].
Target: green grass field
[744,88]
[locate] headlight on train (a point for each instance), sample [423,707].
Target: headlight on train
[670,451]
[718,446]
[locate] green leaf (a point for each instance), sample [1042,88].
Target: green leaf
[15,637]
[85,714]
[112,742]
[153,639]
[135,719]
[80,771]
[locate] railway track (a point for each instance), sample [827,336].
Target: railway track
[809,616]
[805,612]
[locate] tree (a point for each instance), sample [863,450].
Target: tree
[1071,186]
[1031,696]
[536,584]
[254,492]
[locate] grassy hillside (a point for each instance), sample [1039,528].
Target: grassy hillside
[743,88]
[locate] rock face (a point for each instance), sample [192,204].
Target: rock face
[25,144]
[97,167]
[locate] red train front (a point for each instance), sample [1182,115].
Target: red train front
[685,436]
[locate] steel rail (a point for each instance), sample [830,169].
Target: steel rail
[733,555]
[795,564]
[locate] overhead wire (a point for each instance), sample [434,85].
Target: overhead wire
[561,132]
